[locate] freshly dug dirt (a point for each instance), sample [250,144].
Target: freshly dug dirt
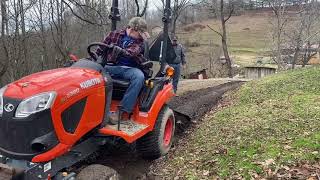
[195,104]
[97,172]
[188,85]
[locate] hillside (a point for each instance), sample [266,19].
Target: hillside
[267,129]
[249,37]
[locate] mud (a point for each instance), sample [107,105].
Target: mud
[195,104]
[189,107]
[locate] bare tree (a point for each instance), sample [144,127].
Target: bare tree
[38,23]
[14,41]
[312,37]
[4,32]
[296,35]
[144,9]
[225,14]
[178,7]
[281,19]
[294,30]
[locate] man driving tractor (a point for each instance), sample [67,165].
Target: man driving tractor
[124,62]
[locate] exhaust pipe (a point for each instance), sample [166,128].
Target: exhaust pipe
[44,142]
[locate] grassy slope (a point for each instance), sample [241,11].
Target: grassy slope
[272,123]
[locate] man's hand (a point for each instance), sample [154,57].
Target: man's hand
[119,50]
[116,52]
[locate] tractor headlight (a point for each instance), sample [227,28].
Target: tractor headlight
[35,104]
[1,99]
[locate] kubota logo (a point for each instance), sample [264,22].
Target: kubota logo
[9,107]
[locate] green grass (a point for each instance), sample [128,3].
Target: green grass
[273,122]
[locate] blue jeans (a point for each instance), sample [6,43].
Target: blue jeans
[136,78]
[176,76]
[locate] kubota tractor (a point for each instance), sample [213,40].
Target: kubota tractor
[51,120]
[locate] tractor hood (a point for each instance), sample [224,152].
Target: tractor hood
[25,136]
[59,80]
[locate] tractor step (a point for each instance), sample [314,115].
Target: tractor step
[129,127]
[129,130]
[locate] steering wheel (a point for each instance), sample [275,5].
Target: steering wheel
[93,54]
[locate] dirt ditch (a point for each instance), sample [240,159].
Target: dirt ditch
[195,104]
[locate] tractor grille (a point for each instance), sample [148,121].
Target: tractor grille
[16,134]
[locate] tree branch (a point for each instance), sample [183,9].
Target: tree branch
[144,8]
[230,13]
[215,31]
[78,16]
[138,7]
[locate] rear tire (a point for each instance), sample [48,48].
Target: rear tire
[97,172]
[158,142]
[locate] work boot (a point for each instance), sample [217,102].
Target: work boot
[114,117]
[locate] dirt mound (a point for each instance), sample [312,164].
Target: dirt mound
[195,104]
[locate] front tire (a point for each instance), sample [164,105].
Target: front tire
[158,142]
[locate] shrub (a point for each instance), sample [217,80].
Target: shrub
[189,43]
[193,27]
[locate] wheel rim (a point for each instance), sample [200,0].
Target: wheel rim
[167,136]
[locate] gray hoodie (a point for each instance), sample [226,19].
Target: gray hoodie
[180,54]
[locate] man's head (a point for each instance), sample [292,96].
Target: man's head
[137,28]
[174,40]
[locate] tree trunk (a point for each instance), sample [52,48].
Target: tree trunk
[279,59]
[174,16]
[298,44]
[308,29]
[16,53]
[4,32]
[138,8]
[43,36]
[224,40]
[3,18]
[23,36]
[296,55]
[174,24]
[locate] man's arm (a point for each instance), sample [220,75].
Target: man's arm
[183,57]
[107,40]
[136,51]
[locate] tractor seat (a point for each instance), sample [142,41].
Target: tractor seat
[120,86]
[120,83]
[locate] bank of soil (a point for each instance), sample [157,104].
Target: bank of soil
[195,104]
[196,84]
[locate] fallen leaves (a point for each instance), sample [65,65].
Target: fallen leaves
[304,171]
[287,147]
[206,173]
[268,162]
